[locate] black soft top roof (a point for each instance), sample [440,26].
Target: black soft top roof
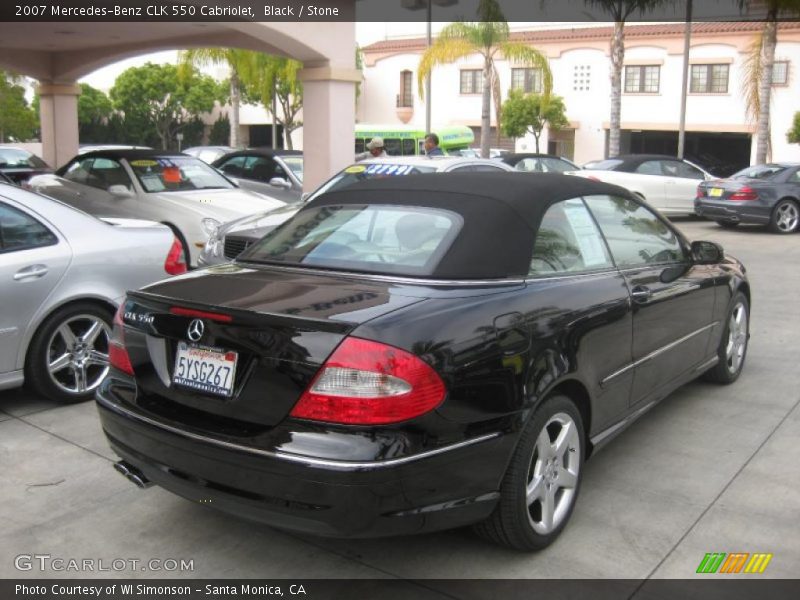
[501,213]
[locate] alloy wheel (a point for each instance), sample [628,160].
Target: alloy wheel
[553,474]
[737,338]
[787,217]
[77,354]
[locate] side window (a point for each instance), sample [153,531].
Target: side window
[259,168]
[393,146]
[19,231]
[796,177]
[650,167]
[687,171]
[568,241]
[360,145]
[409,146]
[234,166]
[636,236]
[105,173]
[78,171]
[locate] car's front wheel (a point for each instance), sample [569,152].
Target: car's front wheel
[732,348]
[540,487]
[68,357]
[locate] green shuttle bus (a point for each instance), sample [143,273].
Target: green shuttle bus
[406,140]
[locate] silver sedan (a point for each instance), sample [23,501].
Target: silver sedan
[178,190]
[62,275]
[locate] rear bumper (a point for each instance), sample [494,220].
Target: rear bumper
[451,486]
[734,212]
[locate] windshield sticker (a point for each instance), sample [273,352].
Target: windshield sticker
[171,175]
[355,169]
[386,169]
[143,163]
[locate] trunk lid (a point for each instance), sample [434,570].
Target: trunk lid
[279,327]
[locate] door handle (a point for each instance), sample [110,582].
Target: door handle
[641,293]
[32,272]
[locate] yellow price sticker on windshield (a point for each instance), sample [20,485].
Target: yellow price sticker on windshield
[143,163]
[355,169]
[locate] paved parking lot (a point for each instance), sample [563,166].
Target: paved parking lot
[711,469]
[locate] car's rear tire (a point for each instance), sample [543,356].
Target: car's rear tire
[785,217]
[68,357]
[541,485]
[732,349]
[728,224]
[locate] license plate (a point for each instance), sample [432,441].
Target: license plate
[716,192]
[209,370]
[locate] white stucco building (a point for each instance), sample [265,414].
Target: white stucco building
[718,131]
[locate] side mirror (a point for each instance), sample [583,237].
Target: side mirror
[120,191]
[707,253]
[280,182]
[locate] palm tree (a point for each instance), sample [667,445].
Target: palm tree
[488,37]
[620,11]
[236,60]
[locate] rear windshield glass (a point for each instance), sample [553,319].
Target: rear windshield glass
[177,174]
[397,240]
[759,172]
[603,165]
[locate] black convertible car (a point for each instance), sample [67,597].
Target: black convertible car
[417,353]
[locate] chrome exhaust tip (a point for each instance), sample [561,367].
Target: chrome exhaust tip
[132,474]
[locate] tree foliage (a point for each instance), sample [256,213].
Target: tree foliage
[531,113]
[268,73]
[488,37]
[94,110]
[238,62]
[793,135]
[220,132]
[155,99]
[17,119]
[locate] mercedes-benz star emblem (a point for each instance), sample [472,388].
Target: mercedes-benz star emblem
[196,329]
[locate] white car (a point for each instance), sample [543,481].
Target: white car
[665,182]
[180,191]
[63,273]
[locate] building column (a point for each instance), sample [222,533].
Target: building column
[58,115]
[329,116]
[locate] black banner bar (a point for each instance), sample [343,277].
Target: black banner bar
[368,10]
[714,587]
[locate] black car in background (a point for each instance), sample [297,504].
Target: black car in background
[762,195]
[380,365]
[19,165]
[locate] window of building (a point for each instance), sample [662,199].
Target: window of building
[471,81]
[780,72]
[405,98]
[642,79]
[709,79]
[527,80]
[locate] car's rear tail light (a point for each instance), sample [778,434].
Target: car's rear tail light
[744,193]
[369,383]
[117,353]
[175,263]
[700,192]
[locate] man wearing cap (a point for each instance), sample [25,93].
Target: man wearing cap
[376,149]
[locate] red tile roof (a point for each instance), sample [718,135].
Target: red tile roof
[596,33]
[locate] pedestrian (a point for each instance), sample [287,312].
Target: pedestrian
[432,145]
[375,149]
